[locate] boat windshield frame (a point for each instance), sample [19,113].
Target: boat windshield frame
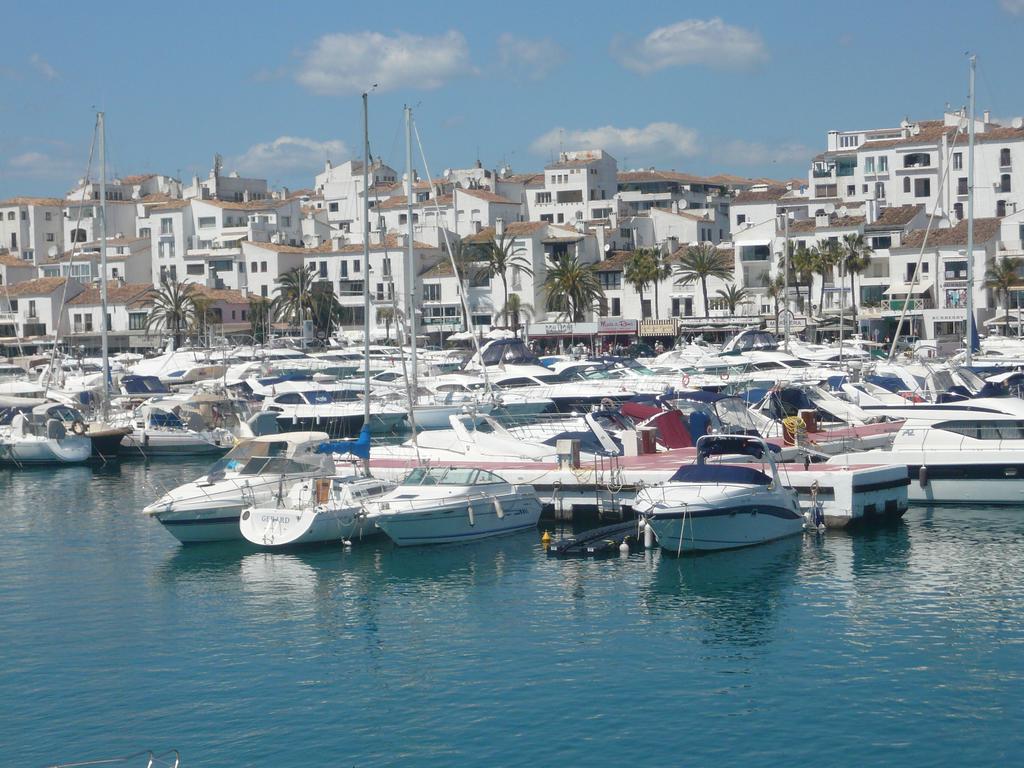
[422,476]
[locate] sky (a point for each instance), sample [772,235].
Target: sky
[746,88]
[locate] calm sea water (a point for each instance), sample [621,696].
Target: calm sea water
[898,645]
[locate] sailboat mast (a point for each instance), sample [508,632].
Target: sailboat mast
[410,266]
[101,126]
[366,262]
[970,221]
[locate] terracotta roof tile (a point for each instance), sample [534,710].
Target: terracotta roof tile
[514,228]
[117,293]
[486,194]
[41,286]
[54,201]
[10,260]
[984,231]
[895,217]
[772,194]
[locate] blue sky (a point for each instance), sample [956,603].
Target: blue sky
[748,88]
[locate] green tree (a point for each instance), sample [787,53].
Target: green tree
[856,257]
[515,307]
[259,318]
[571,288]
[701,262]
[640,271]
[826,257]
[294,300]
[204,315]
[776,290]
[733,296]
[387,314]
[174,308]
[498,256]
[802,264]
[1002,279]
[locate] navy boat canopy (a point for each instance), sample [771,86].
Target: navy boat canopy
[720,473]
[143,385]
[717,445]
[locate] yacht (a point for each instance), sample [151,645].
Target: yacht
[208,508]
[971,457]
[160,431]
[315,510]
[337,410]
[440,505]
[708,506]
[38,437]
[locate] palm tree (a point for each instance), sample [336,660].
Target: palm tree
[640,270]
[174,308]
[387,314]
[571,287]
[856,258]
[325,307]
[701,262]
[802,264]
[294,295]
[733,296]
[259,318]
[776,289]
[204,315]
[515,307]
[499,254]
[466,257]
[1002,279]
[826,257]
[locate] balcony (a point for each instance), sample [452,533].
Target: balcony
[822,173]
[912,305]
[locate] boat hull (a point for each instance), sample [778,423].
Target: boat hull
[276,527]
[157,444]
[450,523]
[727,527]
[70,450]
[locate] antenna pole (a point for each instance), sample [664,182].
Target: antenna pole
[970,221]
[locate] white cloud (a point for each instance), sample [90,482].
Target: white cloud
[1016,7]
[711,43]
[43,67]
[352,63]
[529,59]
[660,139]
[741,152]
[287,155]
[42,165]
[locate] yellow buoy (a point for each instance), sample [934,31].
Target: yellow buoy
[546,538]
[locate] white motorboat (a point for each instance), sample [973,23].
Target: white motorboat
[337,410]
[315,510]
[161,432]
[440,505]
[722,505]
[208,508]
[968,457]
[39,438]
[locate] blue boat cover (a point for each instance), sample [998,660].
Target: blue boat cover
[717,445]
[359,447]
[720,473]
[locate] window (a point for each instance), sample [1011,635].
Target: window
[741,219]
[32,308]
[355,265]
[166,226]
[958,161]
[958,211]
[241,267]
[561,218]
[206,222]
[880,190]
[869,165]
[616,308]
[431,292]
[49,216]
[49,237]
[961,185]
[610,281]
[253,267]
[881,242]
[543,197]
[194,269]
[1004,158]
[906,184]
[286,221]
[344,268]
[883,164]
[645,308]
[1004,183]
[825,190]
[24,215]
[387,266]
[136,321]
[917,160]
[14,241]
[922,187]
[851,189]
[263,266]
[322,271]
[332,207]
[1000,208]
[10,215]
[263,291]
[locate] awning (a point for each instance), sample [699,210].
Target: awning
[917,289]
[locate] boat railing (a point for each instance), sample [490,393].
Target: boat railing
[169,759]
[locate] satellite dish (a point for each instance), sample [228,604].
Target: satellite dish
[52,251]
[607,247]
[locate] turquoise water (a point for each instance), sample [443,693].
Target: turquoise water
[898,645]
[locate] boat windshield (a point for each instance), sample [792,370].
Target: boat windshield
[241,453]
[270,465]
[451,476]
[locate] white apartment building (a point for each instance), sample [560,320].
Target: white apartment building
[15,270]
[32,308]
[127,188]
[229,187]
[82,220]
[126,321]
[340,188]
[580,186]
[31,228]
[128,259]
[905,165]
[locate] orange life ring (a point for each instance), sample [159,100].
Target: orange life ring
[725,375]
[686,379]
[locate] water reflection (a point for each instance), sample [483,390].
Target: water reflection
[734,596]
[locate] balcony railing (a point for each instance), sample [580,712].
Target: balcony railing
[912,305]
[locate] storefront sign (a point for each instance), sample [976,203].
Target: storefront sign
[609,326]
[659,327]
[562,329]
